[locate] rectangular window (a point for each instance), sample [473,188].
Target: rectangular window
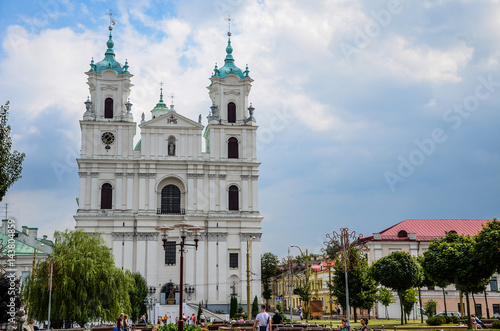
[233,260]
[493,284]
[496,308]
[170,253]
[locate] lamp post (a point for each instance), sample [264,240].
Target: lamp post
[184,229]
[249,311]
[151,291]
[307,276]
[290,285]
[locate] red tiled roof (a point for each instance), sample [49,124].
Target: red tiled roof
[427,230]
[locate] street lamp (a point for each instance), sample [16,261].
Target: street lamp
[150,301]
[249,244]
[184,229]
[307,274]
[290,285]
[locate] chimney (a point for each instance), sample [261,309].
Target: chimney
[33,232]
[412,236]
[376,236]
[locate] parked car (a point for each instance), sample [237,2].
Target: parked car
[450,313]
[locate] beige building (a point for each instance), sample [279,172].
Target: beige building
[414,236]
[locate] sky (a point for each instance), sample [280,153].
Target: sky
[369,112]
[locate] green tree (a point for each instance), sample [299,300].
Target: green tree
[409,301]
[137,293]
[87,284]
[10,162]
[385,298]
[9,307]
[362,286]
[398,271]
[255,307]
[430,307]
[233,307]
[457,255]
[303,289]
[488,246]
[269,264]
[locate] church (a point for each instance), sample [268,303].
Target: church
[179,170]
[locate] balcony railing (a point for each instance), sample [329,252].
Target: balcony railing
[170,211]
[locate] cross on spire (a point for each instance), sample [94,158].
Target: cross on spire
[111,20]
[229,20]
[172,95]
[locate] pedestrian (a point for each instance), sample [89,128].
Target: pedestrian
[345,326]
[202,319]
[364,323]
[300,313]
[193,319]
[126,325]
[143,319]
[263,320]
[277,319]
[119,322]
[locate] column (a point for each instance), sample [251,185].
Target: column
[190,188]
[142,190]
[83,190]
[152,136]
[244,146]
[212,266]
[94,191]
[130,190]
[212,192]
[120,141]
[223,198]
[119,190]
[200,193]
[255,193]
[223,267]
[152,191]
[244,192]
[200,271]
[96,141]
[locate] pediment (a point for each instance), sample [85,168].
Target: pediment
[171,120]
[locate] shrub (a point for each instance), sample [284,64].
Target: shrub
[495,325]
[436,320]
[451,319]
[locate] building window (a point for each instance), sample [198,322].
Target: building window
[233,198]
[171,146]
[431,288]
[232,148]
[106,196]
[402,234]
[496,308]
[493,284]
[108,108]
[170,200]
[233,260]
[231,112]
[170,253]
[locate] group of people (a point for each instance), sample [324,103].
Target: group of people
[122,323]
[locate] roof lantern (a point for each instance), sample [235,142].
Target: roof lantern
[229,66]
[109,61]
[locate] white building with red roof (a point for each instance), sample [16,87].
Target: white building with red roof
[414,236]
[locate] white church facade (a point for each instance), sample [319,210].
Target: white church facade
[178,171]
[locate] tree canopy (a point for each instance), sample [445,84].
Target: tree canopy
[398,271]
[362,287]
[87,284]
[269,264]
[137,293]
[10,162]
[488,246]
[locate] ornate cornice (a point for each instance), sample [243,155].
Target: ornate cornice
[130,174]
[221,176]
[119,174]
[200,175]
[95,174]
[191,175]
[212,176]
[142,174]
[244,177]
[82,174]
[248,236]
[141,236]
[255,177]
[147,236]
[152,175]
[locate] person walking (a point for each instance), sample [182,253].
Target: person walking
[364,323]
[126,325]
[119,323]
[263,320]
[345,326]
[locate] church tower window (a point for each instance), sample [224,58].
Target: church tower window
[170,200]
[232,148]
[108,108]
[171,146]
[233,198]
[231,112]
[106,196]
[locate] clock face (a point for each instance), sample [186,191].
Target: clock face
[108,138]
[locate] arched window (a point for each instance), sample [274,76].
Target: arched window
[402,234]
[170,200]
[231,112]
[106,196]
[171,146]
[108,108]
[232,148]
[233,198]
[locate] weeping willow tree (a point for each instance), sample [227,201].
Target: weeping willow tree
[86,284]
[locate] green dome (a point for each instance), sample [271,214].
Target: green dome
[229,66]
[109,61]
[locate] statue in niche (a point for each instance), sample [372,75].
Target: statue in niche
[171,147]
